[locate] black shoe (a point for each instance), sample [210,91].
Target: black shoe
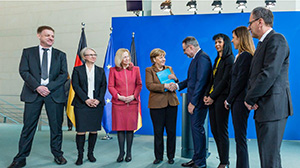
[223,165]
[128,158]
[196,166]
[79,161]
[120,158]
[70,129]
[60,160]
[157,161]
[188,164]
[171,161]
[91,157]
[16,164]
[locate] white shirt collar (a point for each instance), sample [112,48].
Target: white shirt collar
[265,35]
[41,48]
[196,52]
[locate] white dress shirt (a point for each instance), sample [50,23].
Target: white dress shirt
[91,81]
[45,82]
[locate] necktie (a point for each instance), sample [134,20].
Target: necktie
[258,44]
[45,64]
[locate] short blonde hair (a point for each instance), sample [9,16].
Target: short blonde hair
[82,52]
[119,57]
[156,52]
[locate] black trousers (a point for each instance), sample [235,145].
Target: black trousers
[31,116]
[218,116]
[164,118]
[269,138]
[240,115]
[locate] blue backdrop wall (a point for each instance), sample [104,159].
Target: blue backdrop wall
[167,33]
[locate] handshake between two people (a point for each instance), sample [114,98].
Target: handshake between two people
[171,86]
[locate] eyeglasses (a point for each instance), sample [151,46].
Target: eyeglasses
[250,23]
[91,55]
[185,48]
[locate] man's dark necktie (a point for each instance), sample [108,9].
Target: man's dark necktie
[45,64]
[258,44]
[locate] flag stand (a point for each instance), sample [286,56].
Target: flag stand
[107,137]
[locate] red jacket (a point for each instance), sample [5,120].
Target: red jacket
[124,82]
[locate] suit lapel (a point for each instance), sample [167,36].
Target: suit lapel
[194,61]
[36,56]
[53,61]
[260,48]
[96,75]
[85,79]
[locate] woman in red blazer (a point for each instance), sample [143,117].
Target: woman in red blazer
[125,85]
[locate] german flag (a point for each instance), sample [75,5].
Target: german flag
[78,61]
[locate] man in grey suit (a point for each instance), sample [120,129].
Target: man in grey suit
[269,91]
[44,71]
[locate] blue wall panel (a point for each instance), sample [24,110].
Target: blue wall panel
[167,33]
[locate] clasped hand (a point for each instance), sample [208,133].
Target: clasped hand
[249,107]
[126,99]
[92,102]
[43,91]
[208,100]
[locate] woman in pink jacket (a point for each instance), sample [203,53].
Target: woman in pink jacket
[125,85]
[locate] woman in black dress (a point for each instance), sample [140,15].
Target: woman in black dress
[89,84]
[215,95]
[242,40]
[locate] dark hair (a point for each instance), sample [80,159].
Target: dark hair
[190,40]
[227,49]
[265,14]
[41,28]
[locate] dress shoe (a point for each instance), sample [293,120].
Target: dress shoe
[128,158]
[171,161]
[91,157]
[157,161]
[120,159]
[188,164]
[196,166]
[223,166]
[79,161]
[60,160]
[16,164]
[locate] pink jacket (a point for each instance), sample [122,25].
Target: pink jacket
[124,82]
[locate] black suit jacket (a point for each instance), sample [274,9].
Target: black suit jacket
[221,81]
[268,83]
[239,78]
[80,86]
[198,78]
[30,71]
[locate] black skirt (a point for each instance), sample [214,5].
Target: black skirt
[88,119]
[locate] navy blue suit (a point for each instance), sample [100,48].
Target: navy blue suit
[30,71]
[198,77]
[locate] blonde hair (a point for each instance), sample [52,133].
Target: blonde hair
[156,52]
[246,41]
[119,57]
[82,52]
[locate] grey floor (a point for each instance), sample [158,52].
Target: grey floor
[106,151]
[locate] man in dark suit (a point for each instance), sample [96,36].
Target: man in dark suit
[269,91]
[44,71]
[196,83]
